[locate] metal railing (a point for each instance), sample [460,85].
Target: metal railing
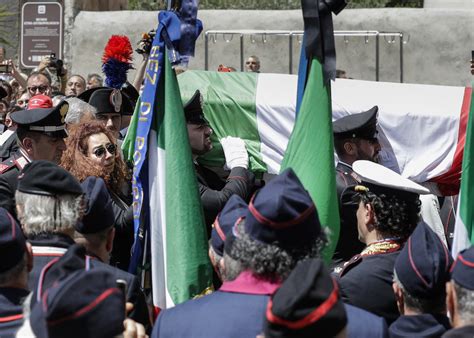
[229,34]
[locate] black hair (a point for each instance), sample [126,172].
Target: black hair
[394,217]
[269,261]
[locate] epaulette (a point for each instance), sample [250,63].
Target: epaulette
[21,162]
[354,261]
[356,177]
[7,165]
[352,174]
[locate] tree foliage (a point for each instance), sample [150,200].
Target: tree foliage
[270,4]
[5,17]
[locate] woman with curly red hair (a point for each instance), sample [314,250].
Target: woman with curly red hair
[91,150]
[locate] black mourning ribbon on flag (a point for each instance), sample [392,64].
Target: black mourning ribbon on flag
[319,33]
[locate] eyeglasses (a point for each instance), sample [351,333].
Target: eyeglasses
[41,89]
[110,148]
[250,63]
[23,101]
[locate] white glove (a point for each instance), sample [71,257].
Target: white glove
[235,152]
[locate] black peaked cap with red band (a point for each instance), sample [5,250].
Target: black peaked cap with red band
[12,241]
[423,264]
[462,272]
[282,213]
[306,305]
[99,212]
[86,303]
[234,209]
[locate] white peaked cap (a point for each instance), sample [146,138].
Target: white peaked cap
[381,176]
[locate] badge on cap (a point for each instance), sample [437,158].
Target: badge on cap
[116,100]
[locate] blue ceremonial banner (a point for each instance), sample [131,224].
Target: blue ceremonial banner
[168,35]
[147,105]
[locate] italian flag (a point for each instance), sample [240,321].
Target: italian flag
[463,228]
[180,265]
[310,153]
[422,127]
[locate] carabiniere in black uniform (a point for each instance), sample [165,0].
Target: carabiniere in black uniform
[349,129]
[47,121]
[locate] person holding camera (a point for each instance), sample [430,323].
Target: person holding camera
[144,47]
[8,71]
[56,71]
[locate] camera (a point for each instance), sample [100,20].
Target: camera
[4,68]
[56,63]
[144,45]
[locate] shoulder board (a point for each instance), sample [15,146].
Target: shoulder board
[354,261]
[20,162]
[356,177]
[6,165]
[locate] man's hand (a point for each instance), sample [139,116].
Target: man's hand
[235,152]
[132,329]
[44,63]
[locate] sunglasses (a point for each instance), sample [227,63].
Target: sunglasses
[110,148]
[41,89]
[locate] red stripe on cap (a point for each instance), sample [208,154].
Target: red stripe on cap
[446,254]
[452,266]
[12,223]
[412,263]
[310,318]
[465,262]
[107,293]
[48,254]
[218,228]
[262,219]
[41,278]
[11,318]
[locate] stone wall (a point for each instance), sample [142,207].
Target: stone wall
[437,49]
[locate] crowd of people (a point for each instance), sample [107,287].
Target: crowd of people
[66,231]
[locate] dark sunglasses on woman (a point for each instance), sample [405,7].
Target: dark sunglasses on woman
[110,148]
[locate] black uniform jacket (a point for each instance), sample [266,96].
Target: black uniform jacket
[348,244]
[11,310]
[366,281]
[460,332]
[215,192]
[124,231]
[9,171]
[424,325]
